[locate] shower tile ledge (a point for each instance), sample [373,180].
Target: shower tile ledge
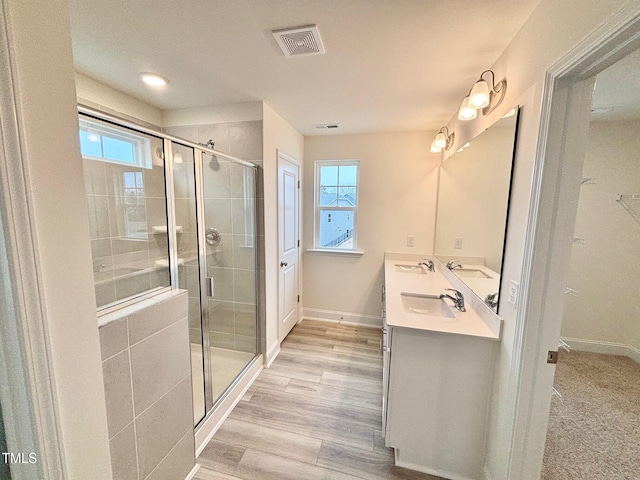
[138,307]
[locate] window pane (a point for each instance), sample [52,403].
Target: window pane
[348,175]
[346,197]
[336,229]
[328,196]
[329,176]
[90,144]
[118,150]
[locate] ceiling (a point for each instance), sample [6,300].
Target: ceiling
[617,93]
[389,65]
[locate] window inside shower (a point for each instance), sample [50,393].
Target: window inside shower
[124,173]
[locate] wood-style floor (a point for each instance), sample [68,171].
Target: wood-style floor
[315,414]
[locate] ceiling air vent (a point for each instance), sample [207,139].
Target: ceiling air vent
[299,41]
[326,126]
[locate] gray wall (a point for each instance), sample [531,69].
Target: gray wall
[147,381]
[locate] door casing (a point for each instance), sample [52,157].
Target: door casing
[559,158]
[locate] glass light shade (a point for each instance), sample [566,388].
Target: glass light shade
[434,149]
[440,141]
[479,96]
[466,112]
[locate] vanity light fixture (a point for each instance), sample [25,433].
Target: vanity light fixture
[443,140]
[153,79]
[481,96]
[467,112]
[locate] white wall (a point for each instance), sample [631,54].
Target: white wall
[277,135]
[41,46]
[398,188]
[101,97]
[237,112]
[605,270]
[552,30]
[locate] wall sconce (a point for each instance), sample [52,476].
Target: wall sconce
[481,96]
[443,140]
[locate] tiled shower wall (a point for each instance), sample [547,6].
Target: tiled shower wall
[232,263]
[147,380]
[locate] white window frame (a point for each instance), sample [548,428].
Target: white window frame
[317,207]
[142,157]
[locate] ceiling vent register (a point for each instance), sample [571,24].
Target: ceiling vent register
[300,41]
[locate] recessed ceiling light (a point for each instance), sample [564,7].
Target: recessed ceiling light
[154,79]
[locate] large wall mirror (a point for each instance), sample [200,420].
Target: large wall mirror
[473,201]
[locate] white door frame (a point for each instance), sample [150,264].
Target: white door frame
[566,95]
[289,158]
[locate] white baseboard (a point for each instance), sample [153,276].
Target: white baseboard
[207,430]
[608,348]
[193,472]
[344,318]
[272,353]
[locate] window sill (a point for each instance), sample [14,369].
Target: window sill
[326,251]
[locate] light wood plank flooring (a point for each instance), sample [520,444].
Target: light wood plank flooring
[315,414]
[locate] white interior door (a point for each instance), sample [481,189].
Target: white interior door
[288,243]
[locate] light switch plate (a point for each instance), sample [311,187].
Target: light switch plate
[457,243]
[411,240]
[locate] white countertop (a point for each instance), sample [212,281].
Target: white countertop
[468,323]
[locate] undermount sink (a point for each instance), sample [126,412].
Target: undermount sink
[426,304]
[471,273]
[409,268]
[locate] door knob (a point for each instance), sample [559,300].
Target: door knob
[283,264]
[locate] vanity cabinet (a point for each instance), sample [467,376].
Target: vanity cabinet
[437,375]
[437,401]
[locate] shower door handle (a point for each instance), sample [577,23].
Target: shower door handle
[210,290]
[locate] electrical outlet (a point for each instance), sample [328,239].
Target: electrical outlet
[411,240]
[514,289]
[457,243]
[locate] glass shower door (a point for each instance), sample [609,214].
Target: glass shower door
[186,224]
[230,243]
[215,223]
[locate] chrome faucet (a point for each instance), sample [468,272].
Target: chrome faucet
[451,264]
[492,300]
[458,299]
[429,264]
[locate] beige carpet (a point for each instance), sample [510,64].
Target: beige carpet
[594,429]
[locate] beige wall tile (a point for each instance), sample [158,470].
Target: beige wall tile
[158,363]
[218,132]
[244,286]
[117,391]
[178,463]
[245,140]
[217,178]
[114,337]
[162,426]
[153,319]
[217,214]
[123,455]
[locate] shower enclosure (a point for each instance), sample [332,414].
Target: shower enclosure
[215,220]
[170,213]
